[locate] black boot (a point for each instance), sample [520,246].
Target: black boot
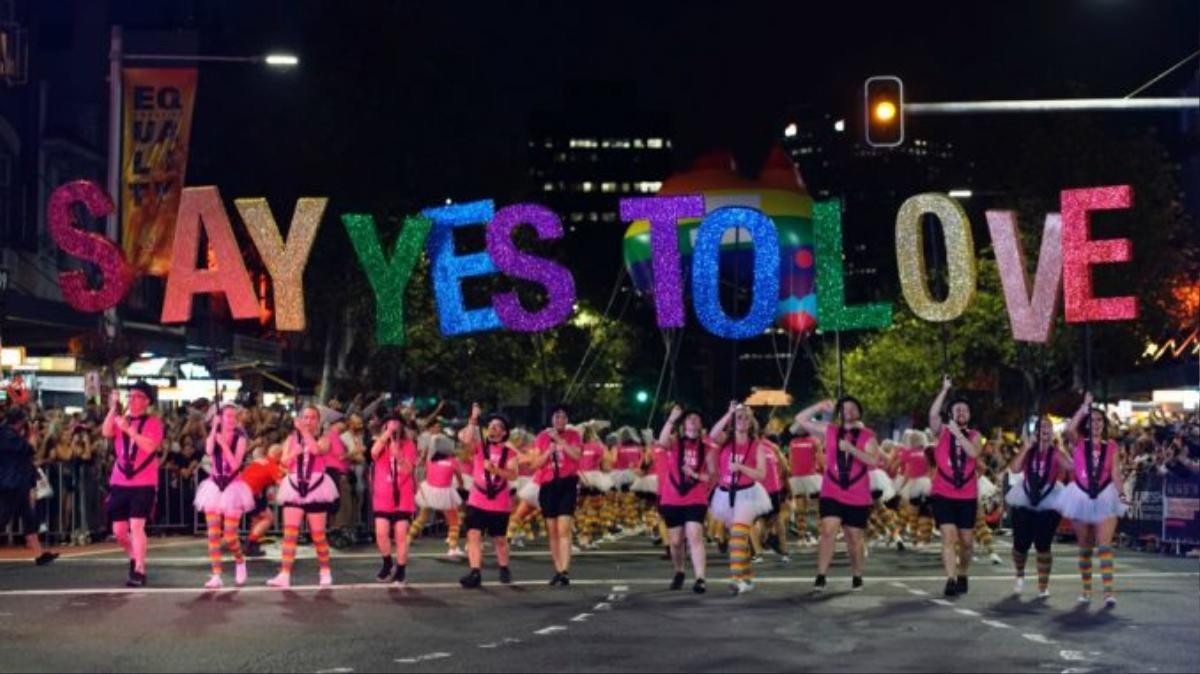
[505,576]
[961,585]
[385,571]
[951,588]
[677,581]
[45,558]
[700,587]
[398,574]
[472,580]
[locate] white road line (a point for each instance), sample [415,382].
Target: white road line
[919,593]
[967,611]
[620,588]
[550,630]
[1038,639]
[898,584]
[942,602]
[423,658]
[997,623]
[615,597]
[581,617]
[491,645]
[336,670]
[602,606]
[1073,656]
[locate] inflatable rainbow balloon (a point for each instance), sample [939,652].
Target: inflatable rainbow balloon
[779,192]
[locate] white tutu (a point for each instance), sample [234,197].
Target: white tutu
[438,498]
[882,482]
[520,483]
[645,484]
[1017,498]
[596,479]
[237,498]
[623,478]
[208,497]
[805,485]
[529,493]
[325,492]
[914,489]
[751,503]
[467,481]
[1075,504]
[987,489]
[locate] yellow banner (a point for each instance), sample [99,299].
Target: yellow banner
[158,124]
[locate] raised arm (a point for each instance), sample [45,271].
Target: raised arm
[806,419]
[718,430]
[935,410]
[1072,433]
[664,436]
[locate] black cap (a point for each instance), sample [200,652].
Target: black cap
[145,388]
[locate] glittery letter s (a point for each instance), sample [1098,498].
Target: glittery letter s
[116,272]
[558,282]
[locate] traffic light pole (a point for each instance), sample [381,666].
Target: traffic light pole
[1050,105]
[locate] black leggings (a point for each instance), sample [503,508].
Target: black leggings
[1034,527]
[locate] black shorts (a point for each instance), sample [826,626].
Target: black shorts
[777,498]
[310,508]
[127,503]
[394,518]
[851,516]
[958,512]
[14,504]
[558,497]
[677,516]
[261,503]
[490,522]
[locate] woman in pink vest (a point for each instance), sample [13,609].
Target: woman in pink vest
[1033,497]
[681,461]
[222,497]
[556,460]
[394,459]
[1093,501]
[806,463]
[914,486]
[739,463]
[594,485]
[850,453]
[133,488]
[437,493]
[488,506]
[955,487]
[305,493]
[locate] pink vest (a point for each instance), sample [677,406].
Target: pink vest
[135,467]
[962,485]
[746,454]
[490,492]
[771,482]
[391,490]
[913,462]
[440,472]
[560,466]
[803,453]
[1040,473]
[336,458]
[675,488]
[628,457]
[592,457]
[846,483]
[1103,471]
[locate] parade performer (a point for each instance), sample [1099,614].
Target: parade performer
[955,487]
[394,460]
[261,474]
[850,452]
[133,489]
[558,450]
[1034,498]
[305,494]
[221,497]
[914,486]
[1092,501]
[494,465]
[594,483]
[739,499]
[681,462]
[438,494]
[806,463]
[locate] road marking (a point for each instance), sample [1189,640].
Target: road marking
[1076,670]
[898,584]
[602,606]
[581,617]
[1038,639]
[551,630]
[615,597]
[919,593]
[997,623]
[336,670]
[1073,656]
[620,588]
[967,611]
[423,658]
[942,602]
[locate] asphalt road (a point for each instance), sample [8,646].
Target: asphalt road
[618,615]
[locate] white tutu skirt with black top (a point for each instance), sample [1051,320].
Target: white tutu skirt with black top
[750,504]
[323,492]
[596,479]
[1076,505]
[237,498]
[1017,498]
[881,483]
[438,498]
[529,492]
[645,484]
[805,485]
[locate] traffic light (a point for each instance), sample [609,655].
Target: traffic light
[883,105]
[642,396]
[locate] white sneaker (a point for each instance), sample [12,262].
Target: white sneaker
[1084,599]
[745,587]
[281,579]
[756,559]
[575,549]
[239,574]
[455,553]
[518,542]
[1019,586]
[326,578]
[1044,594]
[995,558]
[214,583]
[1110,601]
[784,559]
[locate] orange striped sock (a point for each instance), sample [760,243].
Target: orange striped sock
[214,544]
[321,545]
[291,535]
[231,538]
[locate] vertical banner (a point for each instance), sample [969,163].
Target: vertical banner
[1181,508]
[157,111]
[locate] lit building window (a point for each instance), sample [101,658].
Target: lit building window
[624,187]
[586,186]
[577,217]
[594,216]
[548,187]
[648,186]
[637,142]
[560,157]
[608,187]
[654,143]
[609,217]
[606,143]
[623,144]
[548,144]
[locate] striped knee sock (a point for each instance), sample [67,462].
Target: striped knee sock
[288,552]
[801,513]
[1045,561]
[739,553]
[214,543]
[1105,552]
[924,529]
[892,520]
[321,545]
[231,538]
[1019,559]
[1085,568]
[452,535]
[417,525]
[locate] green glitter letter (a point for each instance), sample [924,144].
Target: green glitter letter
[832,312]
[388,278]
